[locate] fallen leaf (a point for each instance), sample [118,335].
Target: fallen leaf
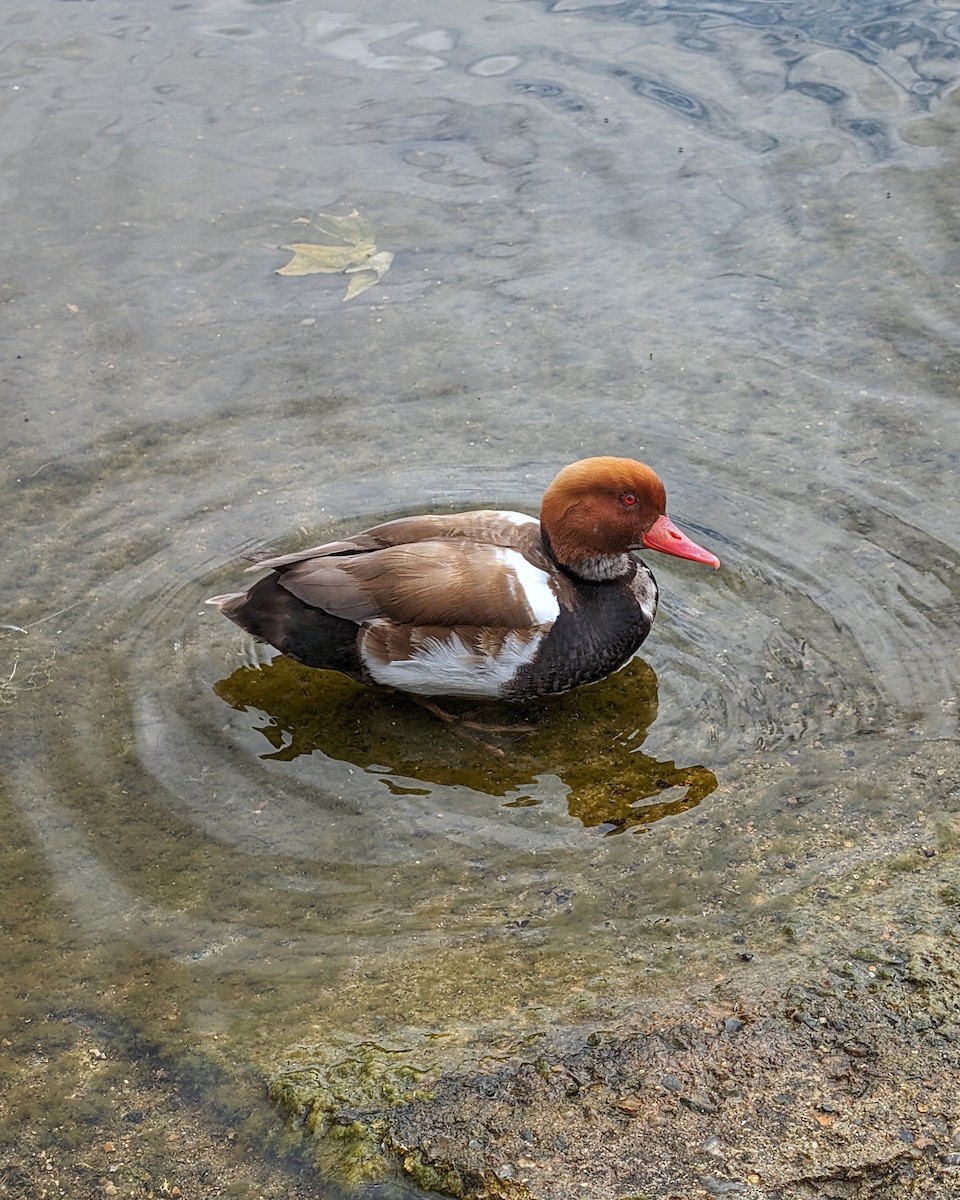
[351,249]
[354,230]
[309,259]
[365,275]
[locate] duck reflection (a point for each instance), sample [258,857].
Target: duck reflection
[590,739]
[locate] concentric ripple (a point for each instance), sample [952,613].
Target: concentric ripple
[765,655]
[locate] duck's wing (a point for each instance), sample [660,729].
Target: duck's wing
[485,527]
[439,583]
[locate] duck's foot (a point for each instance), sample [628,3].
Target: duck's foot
[489,727]
[466,729]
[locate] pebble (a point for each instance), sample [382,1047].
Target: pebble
[723,1187]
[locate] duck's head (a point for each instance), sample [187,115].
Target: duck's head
[598,509]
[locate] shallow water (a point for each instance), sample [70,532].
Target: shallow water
[721,238]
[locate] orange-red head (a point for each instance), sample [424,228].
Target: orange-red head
[602,507]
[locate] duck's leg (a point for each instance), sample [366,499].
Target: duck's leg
[464,728]
[490,727]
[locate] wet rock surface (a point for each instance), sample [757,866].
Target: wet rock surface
[829,1069]
[844,1087]
[847,1085]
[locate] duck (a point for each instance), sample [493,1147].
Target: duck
[488,604]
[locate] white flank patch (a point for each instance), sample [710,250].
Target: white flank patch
[530,583]
[646,592]
[449,667]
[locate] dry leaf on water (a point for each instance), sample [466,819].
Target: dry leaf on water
[356,253]
[365,275]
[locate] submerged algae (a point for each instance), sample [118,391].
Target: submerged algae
[340,1105]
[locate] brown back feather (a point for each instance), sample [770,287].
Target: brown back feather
[423,583]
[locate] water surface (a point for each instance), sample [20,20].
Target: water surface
[721,238]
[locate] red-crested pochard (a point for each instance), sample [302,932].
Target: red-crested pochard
[485,604]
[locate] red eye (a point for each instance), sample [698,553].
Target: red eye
[628,499]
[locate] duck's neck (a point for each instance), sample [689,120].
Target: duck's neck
[603,568]
[597,568]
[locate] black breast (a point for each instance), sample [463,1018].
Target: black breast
[589,641]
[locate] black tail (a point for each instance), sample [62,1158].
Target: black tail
[297,629]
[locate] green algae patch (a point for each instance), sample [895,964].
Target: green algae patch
[434,1174]
[339,1105]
